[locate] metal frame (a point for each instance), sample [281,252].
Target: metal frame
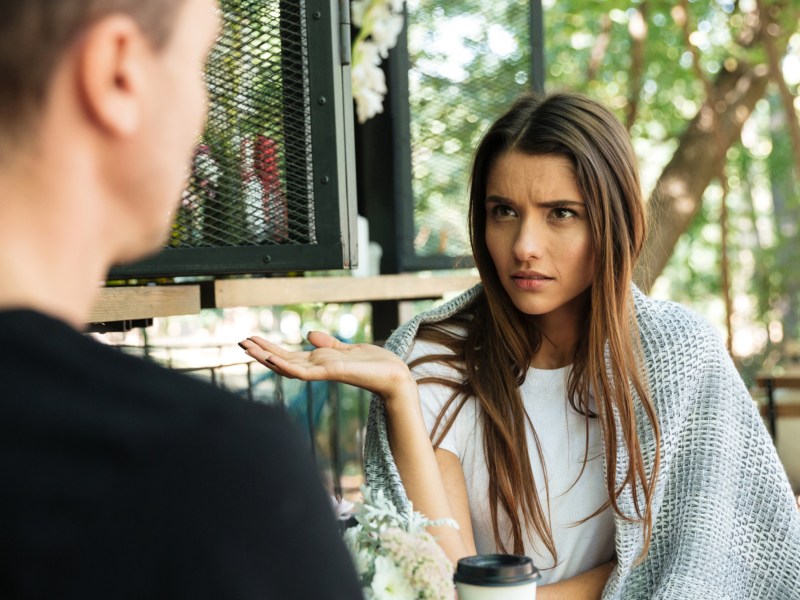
[537,46]
[397,74]
[334,195]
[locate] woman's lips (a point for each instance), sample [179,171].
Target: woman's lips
[531,282]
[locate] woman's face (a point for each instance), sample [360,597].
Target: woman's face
[537,232]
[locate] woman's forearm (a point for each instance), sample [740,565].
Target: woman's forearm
[419,470]
[586,586]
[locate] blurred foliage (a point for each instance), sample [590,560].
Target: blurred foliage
[468,65]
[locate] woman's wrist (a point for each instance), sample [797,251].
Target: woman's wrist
[402,395]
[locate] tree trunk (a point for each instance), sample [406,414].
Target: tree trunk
[599,49]
[770,40]
[638,31]
[786,214]
[678,195]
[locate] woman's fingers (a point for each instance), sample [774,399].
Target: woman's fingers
[370,367]
[299,368]
[276,369]
[319,339]
[314,365]
[268,347]
[264,351]
[323,340]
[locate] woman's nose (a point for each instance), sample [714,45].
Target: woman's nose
[529,241]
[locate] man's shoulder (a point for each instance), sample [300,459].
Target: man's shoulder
[64,372]
[73,392]
[218,491]
[193,407]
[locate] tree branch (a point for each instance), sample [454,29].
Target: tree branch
[772,31]
[599,48]
[637,27]
[678,194]
[681,15]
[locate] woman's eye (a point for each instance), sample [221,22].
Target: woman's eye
[502,210]
[562,214]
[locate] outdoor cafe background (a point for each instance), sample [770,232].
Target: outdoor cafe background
[708,90]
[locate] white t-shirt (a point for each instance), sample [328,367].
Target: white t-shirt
[562,435]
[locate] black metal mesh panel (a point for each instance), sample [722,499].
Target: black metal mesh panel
[252,174]
[469,59]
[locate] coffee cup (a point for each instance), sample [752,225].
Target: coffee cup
[496,577]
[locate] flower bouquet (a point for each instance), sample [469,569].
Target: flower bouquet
[395,556]
[379,23]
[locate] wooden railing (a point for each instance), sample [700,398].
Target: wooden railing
[144,302]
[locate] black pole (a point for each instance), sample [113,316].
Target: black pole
[537,45]
[771,412]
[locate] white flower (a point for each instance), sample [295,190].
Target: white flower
[363,562]
[361,556]
[381,22]
[369,54]
[369,77]
[343,509]
[368,104]
[395,556]
[385,31]
[358,9]
[369,88]
[389,582]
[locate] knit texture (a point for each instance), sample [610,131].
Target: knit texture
[725,526]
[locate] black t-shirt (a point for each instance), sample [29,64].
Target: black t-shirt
[121,479]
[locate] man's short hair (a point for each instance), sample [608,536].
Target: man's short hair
[35,33]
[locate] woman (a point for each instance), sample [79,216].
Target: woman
[573,419]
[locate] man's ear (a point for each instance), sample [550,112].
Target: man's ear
[112,77]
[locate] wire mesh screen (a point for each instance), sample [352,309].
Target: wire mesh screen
[271,185]
[468,61]
[252,174]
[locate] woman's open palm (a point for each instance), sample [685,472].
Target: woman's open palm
[363,365]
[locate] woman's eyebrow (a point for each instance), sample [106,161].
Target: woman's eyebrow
[495,199]
[558,203]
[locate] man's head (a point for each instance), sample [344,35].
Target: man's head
[35,34]
[111,94]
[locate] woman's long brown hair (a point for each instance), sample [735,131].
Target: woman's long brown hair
[496,352]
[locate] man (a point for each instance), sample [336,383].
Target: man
[120,479]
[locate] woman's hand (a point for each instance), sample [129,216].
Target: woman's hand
[363,365]
[381,372]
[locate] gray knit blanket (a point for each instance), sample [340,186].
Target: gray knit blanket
[725,524]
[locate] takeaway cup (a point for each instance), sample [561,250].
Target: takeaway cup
[496,577]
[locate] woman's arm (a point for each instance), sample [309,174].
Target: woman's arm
[456,489]
[434,481]
[434,492]
[586,586]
